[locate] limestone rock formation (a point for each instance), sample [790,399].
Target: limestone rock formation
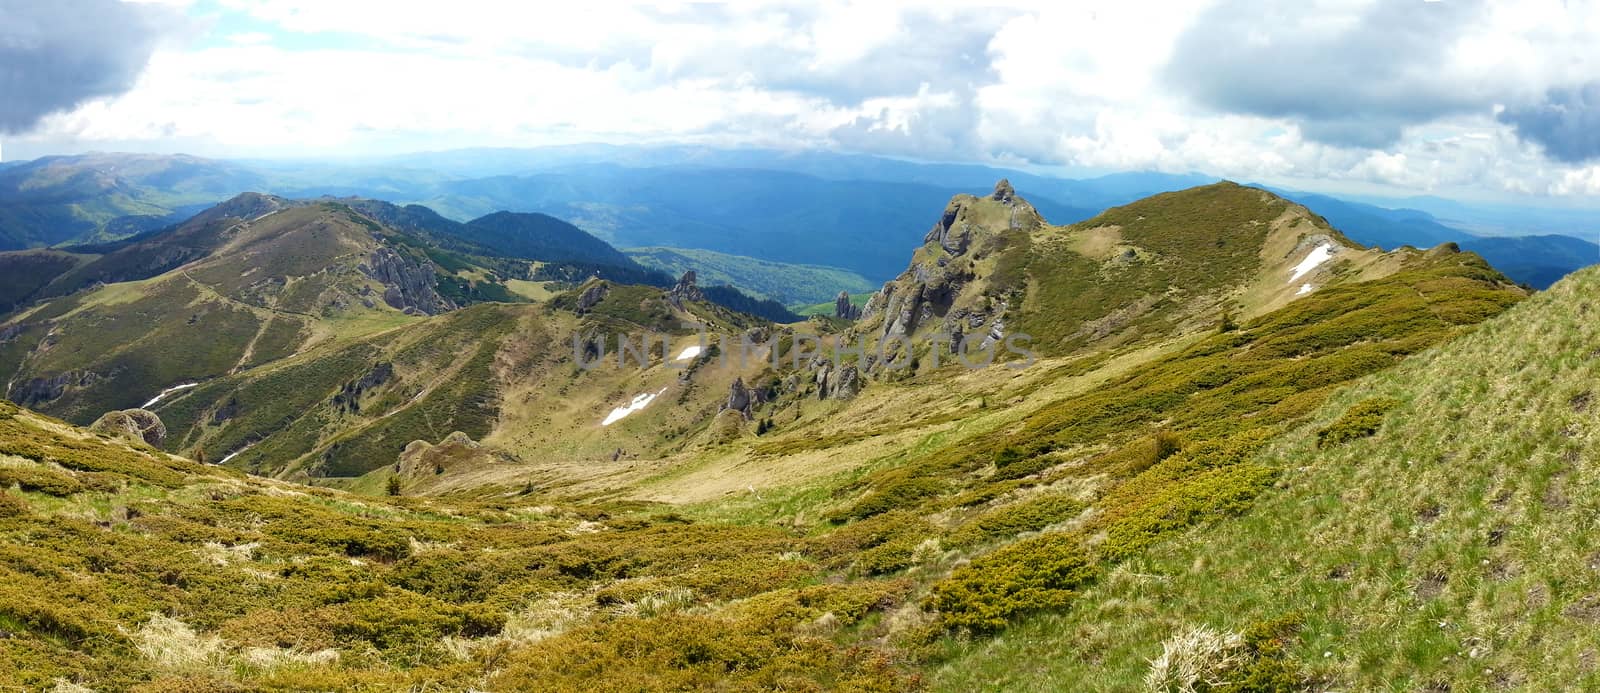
[744,399]
[137,425]
[837,382]
[422,460]
[1003,192]
[409,284]
[349,396]
[685,290]
[40,390]
[843,308]
[592,296]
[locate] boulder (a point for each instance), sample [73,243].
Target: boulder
[137,425]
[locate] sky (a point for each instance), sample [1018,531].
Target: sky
[1485,99]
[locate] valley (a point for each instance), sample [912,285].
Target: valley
[425,477]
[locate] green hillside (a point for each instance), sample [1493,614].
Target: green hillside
[827,308]
[1313,466]
[789,284]
[1425,532]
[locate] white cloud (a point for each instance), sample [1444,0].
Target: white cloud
[1084,85]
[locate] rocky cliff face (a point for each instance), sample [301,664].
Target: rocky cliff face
[838,382]
[409,284]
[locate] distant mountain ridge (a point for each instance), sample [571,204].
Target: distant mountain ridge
[1538,260]
[850,211]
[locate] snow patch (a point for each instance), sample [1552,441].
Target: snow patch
[689,352]
[638,404]
[1318,255]
[234,454]
[1304,289]
[166,392]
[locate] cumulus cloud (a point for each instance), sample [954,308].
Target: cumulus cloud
[56,55]
[1352,74]
[1411,95]
[1566,124]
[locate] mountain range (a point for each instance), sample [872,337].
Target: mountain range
[849,212]
[1206,439]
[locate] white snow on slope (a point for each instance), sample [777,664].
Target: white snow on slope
[166,392]
[1318,255]
[688,352]
[1304,289]
[234,454]
[638,404]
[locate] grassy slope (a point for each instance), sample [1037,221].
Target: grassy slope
[787,283]
[1446,552]
[125,569]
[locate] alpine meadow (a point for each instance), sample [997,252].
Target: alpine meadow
[856,347]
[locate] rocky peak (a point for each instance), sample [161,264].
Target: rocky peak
[685,290]
[843,308]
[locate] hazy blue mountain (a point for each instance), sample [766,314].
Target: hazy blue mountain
[1501,219]
[856,212]
[65,198]
[543,237]
[1376,226]
[1538,261]
[789,283]
[864,226]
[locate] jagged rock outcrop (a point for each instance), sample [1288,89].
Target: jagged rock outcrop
[1003,192]
[137,425]
[409,284]
[10,332]
[843,308]
[837,382]
[941,272]
[41,390]
[739,398]
[744,399]
[592,296]
[226,412]
[348,398]
[685,291]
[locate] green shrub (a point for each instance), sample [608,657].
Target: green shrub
[1037,574]
[1025,515]
[12,506]
[840,546]
[1361,421]
[41,480]
[897,494]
